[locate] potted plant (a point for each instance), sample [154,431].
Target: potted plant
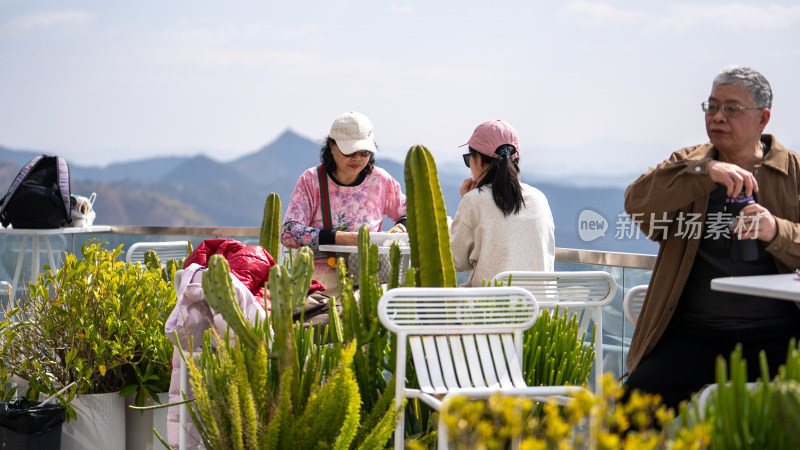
[98,323]
[8,389]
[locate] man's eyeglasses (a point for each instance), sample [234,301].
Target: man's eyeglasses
[466,157]
[727,110]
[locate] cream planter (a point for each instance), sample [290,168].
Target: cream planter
[100,424]
[139,424]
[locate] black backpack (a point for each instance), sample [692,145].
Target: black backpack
[39,197]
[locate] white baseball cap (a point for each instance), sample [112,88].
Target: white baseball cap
[353,132]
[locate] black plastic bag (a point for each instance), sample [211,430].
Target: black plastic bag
[26,424]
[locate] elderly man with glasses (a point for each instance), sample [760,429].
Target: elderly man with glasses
[690,205]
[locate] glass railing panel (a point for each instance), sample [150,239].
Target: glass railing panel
[18,255]
[617,332]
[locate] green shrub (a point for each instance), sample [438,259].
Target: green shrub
[97,322]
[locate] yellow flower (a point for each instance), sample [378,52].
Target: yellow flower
[556,427]
[532,444]
[641,441]
[621,420]
[607,440]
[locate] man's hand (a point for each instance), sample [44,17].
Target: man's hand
[467,186]
[732,177]
[757,222]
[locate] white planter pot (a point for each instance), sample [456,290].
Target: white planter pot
[100,424]
[139,424]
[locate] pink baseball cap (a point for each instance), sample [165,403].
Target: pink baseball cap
[489,136]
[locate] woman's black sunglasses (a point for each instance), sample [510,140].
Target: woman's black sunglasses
[466,158]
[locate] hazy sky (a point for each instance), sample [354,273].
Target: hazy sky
[600,87]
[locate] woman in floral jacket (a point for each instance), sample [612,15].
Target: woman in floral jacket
[357,193]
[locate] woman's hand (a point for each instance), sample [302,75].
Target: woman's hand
[466,186]
[398,228]
[346,238]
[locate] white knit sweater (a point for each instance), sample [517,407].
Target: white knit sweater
[487,242]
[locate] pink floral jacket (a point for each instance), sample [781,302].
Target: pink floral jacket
[377,196]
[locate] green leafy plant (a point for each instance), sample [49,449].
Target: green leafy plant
[7,391]
[97,322]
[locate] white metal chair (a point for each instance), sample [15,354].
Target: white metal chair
[463,341]
[166,250]
[582,292]
[632,303]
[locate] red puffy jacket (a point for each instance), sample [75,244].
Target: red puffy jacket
[249,264]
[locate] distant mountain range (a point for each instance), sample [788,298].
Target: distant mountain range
[200,191]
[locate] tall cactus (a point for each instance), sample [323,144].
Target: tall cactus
[287,293]
[218,289]
[153,262]
[785,399]
[427,221]
[247,386]
[270,225]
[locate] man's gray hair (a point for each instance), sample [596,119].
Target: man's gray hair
[756,83]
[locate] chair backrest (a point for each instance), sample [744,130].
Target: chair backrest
[166,250]
[460,337]
[576,291]
[632,303]
[581,292]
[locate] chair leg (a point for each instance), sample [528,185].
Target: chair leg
[443,438]
[399,432]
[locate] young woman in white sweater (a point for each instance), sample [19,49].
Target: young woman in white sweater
[501,223]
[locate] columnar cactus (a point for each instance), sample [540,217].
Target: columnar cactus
[785,410]
[218,289]
[427,221]
[295,392]
[270,225]
[151,260]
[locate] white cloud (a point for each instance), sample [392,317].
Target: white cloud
[680,18]
[50,21]
[599,13]
[401,9]
[225,46]
[734,17]
[228,35]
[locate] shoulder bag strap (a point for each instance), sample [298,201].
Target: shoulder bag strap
[326,206]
